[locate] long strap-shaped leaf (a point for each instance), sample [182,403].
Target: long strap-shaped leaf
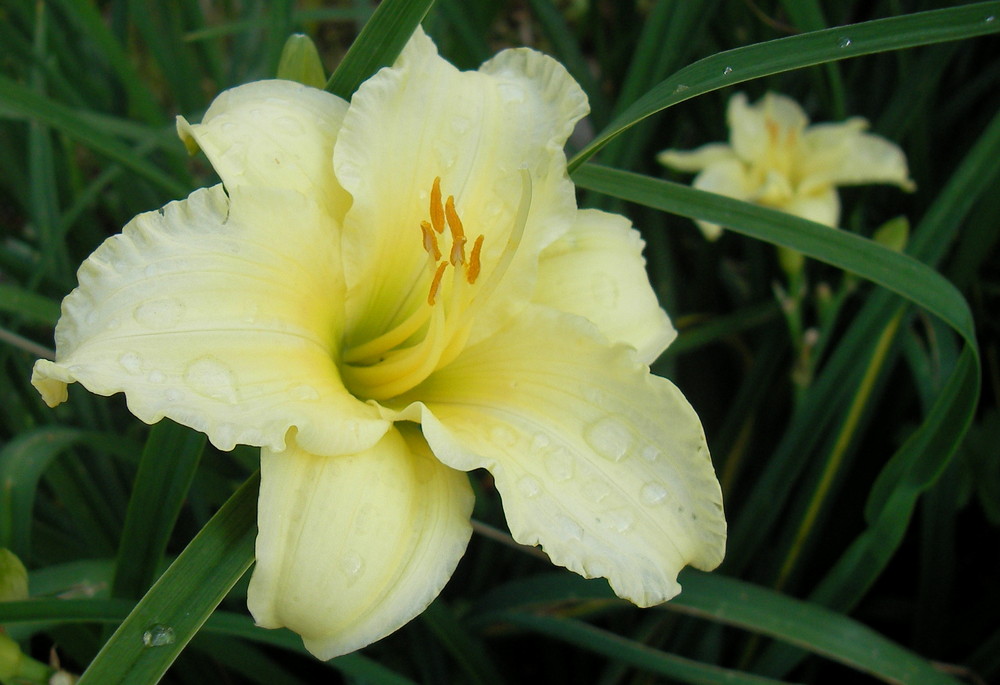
[166,619]
[763,59]
[378,44]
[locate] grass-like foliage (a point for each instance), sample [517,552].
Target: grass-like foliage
[851,408]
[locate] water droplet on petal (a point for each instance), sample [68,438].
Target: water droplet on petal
[303,392]
[727,71]
[559,464]
[156,376]
[650,453]
[211,378]
[539,442]
[353,567]
[604,290]
[596,490]
[990,19]
[620,520]
[460,125]
[511,93]
[173,395]
[158,635]
[529,486]
[502,436]
[610,437]
[844,42]
[288,125]
[131,362]
[159,314]
[652,493]
[570,529]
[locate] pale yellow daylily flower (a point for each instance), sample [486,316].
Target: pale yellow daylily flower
[383,294]
[775,159]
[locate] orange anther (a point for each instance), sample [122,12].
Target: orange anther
[437,209]
[436,283]
[457,232]
[472,272]
[430,241]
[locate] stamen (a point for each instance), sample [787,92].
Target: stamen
[472,271]
[457,232]
[437,209]
[436,283]
[430,241]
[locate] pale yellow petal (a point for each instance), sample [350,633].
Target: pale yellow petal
[822,206]
[756,130]
[423,119]
[696,160]
[222,315]
[595,459]
[597,271]
[351,548]
[730,178]
[275,134]
[843,154]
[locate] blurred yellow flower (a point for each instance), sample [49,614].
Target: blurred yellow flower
[382,294]
[775,159]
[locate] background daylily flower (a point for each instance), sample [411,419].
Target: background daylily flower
[774,158]
[382,294]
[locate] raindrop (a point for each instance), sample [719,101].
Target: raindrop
[650,453]
[131,362]
[652,493]
[288,125]
[156,376]
[844,42]
[511,93]
[502,436]
[352,565]
[159,314]
[174,395]
[727,71]
[571,530]
[304,392]
[158,635]
[990,19]
[610,437]
[620,520]
[559,466]
[680,88]
[529,486]
[211,378]
[596,490]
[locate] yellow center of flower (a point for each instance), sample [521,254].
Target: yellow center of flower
[435,332]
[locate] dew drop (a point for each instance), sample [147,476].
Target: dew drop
[571,530]
[680,88]
[211,378]
[502,436]
[156,376]
[131,362]
[159,314]
[610,437]
[844,42]
[158,635]
[596,490]
[559,465]
[539,442]
[529,486]
[652,493]
[604,290]
[511,93]
[303,392]
[619,520]
[352,566]
[650,453]
[727,71]
[445,152]
[990,19]
[288,125]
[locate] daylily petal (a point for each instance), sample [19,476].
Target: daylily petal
[842,154]
[276,134]
[423,119]
[822,206]
[597,271]
[696,160]
[729,178]
[350,548]
[755,130]
[602,463]
[220,314]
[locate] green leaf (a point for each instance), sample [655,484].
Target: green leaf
[168,465]
[378,44]
[784,54]
[173,610]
